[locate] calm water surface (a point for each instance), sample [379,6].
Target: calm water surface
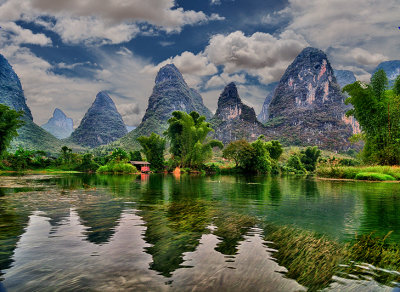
[157,232]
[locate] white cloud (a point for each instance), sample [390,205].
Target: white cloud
[262,54]
[12,33]
[356,33]
[215,2]
[218,81]
[364,57]
[193,67]
[93,30]
[103,21]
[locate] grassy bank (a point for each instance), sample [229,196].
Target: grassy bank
[371,173]
[38,171]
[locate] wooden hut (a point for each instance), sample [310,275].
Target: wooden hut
[144,166]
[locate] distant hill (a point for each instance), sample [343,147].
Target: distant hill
[308,107]
[344,77]
[264,114]
[170,93]
[233,119]
[31,136]
[59,125]
[102,124]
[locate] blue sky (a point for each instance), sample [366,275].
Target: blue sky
[67,51]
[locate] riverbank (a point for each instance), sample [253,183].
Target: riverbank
[360,173]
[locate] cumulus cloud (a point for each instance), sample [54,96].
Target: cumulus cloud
[358,32]
[364,57]
[262,54]
[158,12]
[109,21]
[12,33]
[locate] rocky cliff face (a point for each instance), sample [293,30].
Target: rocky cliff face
[233,119]
[102,124]
[11,93]
[170,93]
[264,114]
[392,69]
[344,77]
[308,107]
[59,125]
[31,136]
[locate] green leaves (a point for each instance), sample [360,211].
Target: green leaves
[153,147]
[377,111]
[188,135]
[9,123]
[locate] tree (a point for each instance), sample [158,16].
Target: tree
[233,150]
[396,86]
[262,160]
[252,157]
[66,154]
[88,164]
[309,158]
[294,164]
[188,136]
[153,147]
[135,156]
[274,148]
[379,83]
[9,124]
[378,114]
[119,155]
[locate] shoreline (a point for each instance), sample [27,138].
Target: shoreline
[356,180]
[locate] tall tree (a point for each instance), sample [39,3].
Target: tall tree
[188,136]
[153,147]
[377,112]
[9,123]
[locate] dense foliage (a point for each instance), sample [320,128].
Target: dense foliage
[188,135]
[117,163]
[259,156]
[9,123]
[153,147]
[135,156]
[378,112]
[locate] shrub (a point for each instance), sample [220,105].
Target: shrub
[294,164]
[374,176]
[212,167]
[115,168]
[87,165]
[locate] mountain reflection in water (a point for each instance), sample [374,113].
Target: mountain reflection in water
[110,233]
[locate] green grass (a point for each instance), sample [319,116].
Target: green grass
[374,176]
[313,259]
[380,173]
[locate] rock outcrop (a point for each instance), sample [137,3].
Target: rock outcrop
[102,124]
[11,93]
[31,136]
[59,125]
[170,93]
[308,107]
[233,119]
[264,114]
